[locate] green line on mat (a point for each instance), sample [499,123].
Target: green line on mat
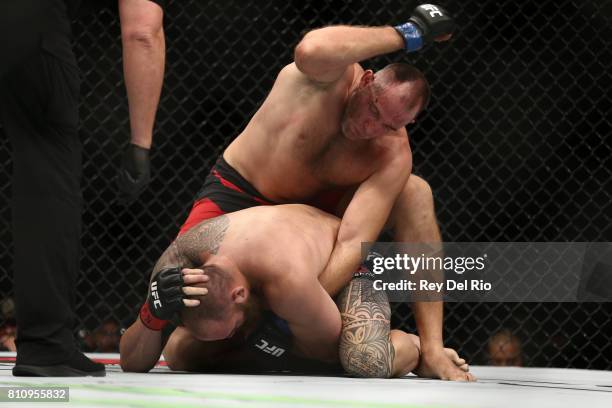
[174,392]
[248,399]
[140,404]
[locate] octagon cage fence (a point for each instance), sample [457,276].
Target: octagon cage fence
[515,145]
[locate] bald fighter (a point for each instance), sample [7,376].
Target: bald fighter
[333,135]
[262,258]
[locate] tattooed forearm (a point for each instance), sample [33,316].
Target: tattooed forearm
[186,250]
[365,346]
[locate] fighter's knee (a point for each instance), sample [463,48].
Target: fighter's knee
[418,189]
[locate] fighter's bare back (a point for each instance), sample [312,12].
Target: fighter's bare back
[276,240]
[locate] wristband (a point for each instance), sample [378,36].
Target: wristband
[413,39]
[150,321]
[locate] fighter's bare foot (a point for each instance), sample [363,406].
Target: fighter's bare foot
[444,364]
[459,362]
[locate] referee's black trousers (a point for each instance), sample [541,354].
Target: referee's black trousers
[39,91]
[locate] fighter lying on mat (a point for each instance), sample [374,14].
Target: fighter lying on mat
[332,135]
[266,257]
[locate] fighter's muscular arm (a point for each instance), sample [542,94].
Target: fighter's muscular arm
[366,349]
[140,347]
[364,218]
[312,315]
[324,54]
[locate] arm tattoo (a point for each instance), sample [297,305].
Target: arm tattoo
[365,345]
[186,250]
[204,237]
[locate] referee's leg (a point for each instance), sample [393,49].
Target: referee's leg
[46,205]
[39,108]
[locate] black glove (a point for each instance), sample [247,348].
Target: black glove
[134,174]
[164,299]
[426,23]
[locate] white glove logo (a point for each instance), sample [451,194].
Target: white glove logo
[433,10]
[156,303]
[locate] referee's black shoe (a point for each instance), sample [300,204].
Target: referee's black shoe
[78,366]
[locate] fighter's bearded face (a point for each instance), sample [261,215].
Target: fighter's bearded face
[373,110]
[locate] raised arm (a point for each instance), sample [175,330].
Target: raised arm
[324,54]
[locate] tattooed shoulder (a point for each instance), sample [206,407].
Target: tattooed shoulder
[207,236]
[185,251]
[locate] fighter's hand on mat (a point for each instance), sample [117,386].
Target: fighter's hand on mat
[168,294]
[427,23]
[134,174]
[439,363]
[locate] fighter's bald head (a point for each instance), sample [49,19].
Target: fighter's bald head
[412,83]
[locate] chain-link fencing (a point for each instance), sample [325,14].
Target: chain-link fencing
[515,144]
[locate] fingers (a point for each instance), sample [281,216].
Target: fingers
[194,277]
[194,291]
[191,302]
[189,271]
[191,280]
[464,367]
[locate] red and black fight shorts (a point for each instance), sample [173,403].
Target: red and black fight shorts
[226,191]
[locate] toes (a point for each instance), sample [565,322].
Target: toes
[452,354]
